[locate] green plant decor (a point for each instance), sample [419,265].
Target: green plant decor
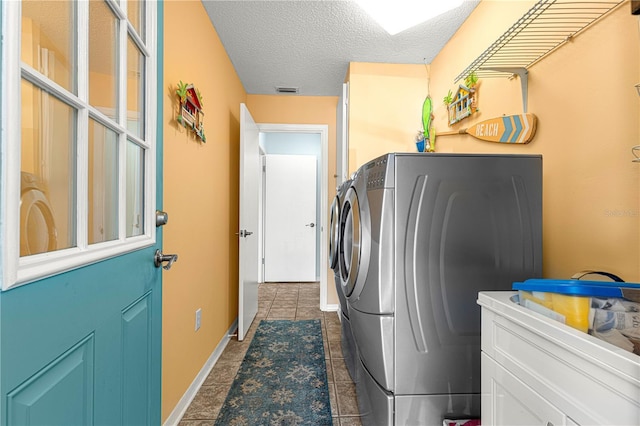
[448,99]
[181,91]
[471,80]
[199,95]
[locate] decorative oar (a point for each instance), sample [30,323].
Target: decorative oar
[518,128]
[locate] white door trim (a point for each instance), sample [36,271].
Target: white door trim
[342,136]
[323,130]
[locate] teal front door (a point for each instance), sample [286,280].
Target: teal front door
[81,162]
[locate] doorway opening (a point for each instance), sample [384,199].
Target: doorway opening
[303,140]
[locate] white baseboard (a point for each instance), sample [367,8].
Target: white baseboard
[177,413]
[331,308]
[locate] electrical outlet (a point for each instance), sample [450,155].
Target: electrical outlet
[198,318]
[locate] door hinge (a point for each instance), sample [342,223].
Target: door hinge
[264,169]
[263,260]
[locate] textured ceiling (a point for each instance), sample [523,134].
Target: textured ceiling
[309,44]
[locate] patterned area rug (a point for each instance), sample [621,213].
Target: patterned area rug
[282,379]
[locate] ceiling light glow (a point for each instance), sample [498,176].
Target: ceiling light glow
[399,15]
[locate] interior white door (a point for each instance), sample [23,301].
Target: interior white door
[290,218]
[248,246]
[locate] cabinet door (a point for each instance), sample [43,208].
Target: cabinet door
[507,401]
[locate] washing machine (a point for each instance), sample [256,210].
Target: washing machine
[424,234]
[347,342]
[334,240]
[38,232]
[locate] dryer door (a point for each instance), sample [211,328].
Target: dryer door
[334,236]
[38,233]
[350,241]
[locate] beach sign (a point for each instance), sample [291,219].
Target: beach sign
[517,129]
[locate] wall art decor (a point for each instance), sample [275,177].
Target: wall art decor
[512,129]
[464,102]
[191,114]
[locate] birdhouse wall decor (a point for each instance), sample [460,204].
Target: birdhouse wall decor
[464,102]
[191,114]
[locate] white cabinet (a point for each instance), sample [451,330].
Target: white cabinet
[511,402]
[536,371]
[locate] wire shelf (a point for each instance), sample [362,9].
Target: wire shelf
[543,29]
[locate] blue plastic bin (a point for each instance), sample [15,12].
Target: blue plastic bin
[571,299]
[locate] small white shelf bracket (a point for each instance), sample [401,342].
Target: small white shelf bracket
[524,80]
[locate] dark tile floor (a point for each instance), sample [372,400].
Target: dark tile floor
[280,301]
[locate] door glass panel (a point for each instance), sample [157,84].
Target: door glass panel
[135,12]
[135,88]
[48,43]
[350,241]
[103,28]
[81,134]
[47,204]
[103,184]
[135,190]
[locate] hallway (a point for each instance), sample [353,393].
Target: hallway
[280,301]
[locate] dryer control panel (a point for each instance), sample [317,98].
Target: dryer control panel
[380,172]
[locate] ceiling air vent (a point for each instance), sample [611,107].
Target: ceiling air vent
[287,90]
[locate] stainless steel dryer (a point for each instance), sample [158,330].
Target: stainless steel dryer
[427,232]
[347,342]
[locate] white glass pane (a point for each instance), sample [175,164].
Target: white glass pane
[135,13]
[48,42]
[103,83]
[48,175]
[135,190]
[103,184]
[135,87]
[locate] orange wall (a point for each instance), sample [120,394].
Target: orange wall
[201,197]
[588,112]
[303,110]
[385,109]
